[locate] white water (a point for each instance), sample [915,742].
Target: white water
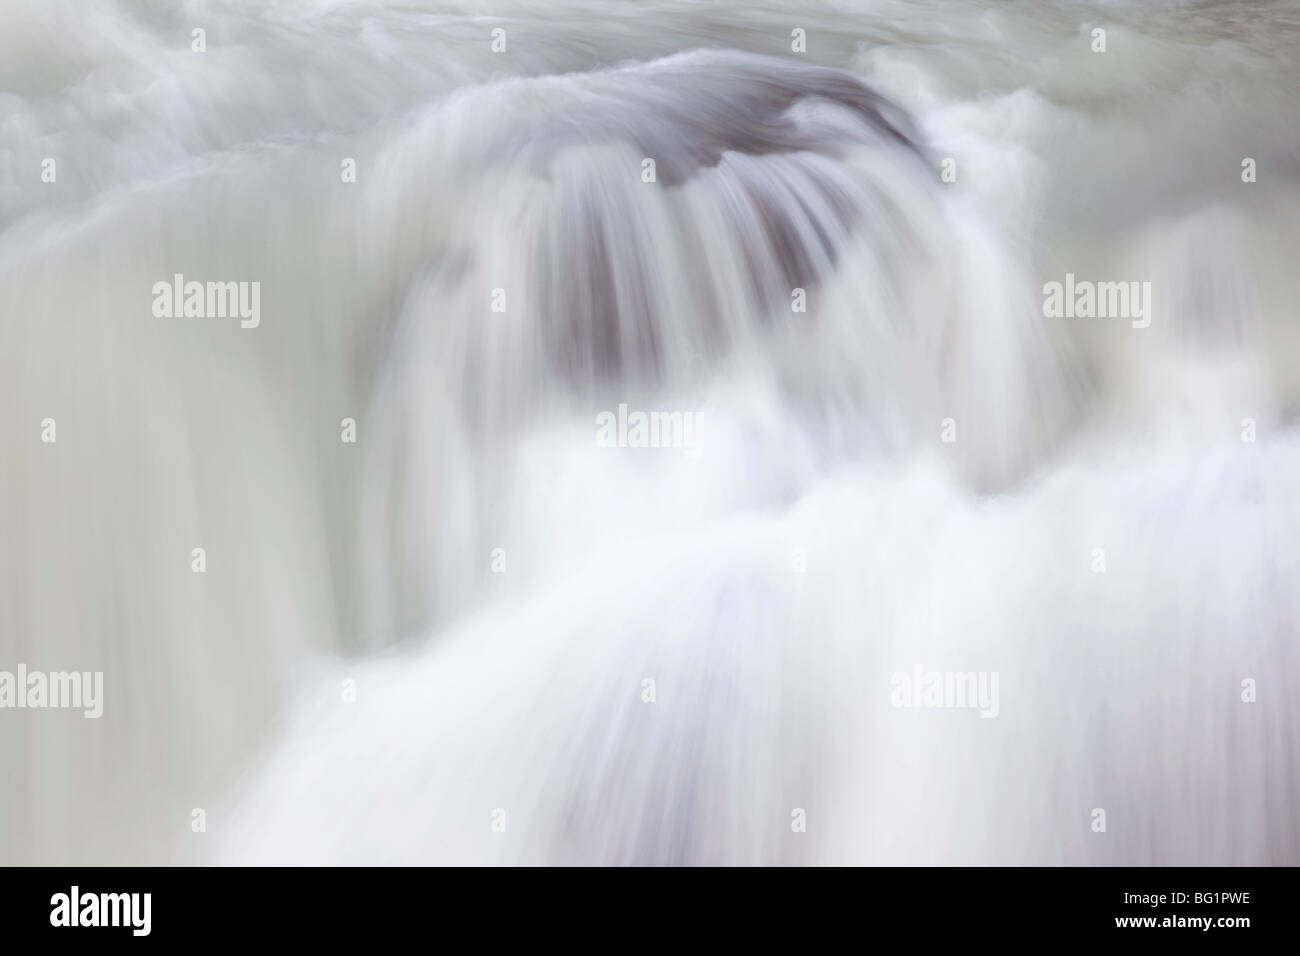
[821,432]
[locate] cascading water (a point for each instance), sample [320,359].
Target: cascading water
[493,629]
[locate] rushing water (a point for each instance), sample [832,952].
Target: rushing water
[484,631]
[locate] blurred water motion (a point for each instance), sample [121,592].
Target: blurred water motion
[661,470]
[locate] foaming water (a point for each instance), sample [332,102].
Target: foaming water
[433,644]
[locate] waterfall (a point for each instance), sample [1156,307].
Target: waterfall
[643,403]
